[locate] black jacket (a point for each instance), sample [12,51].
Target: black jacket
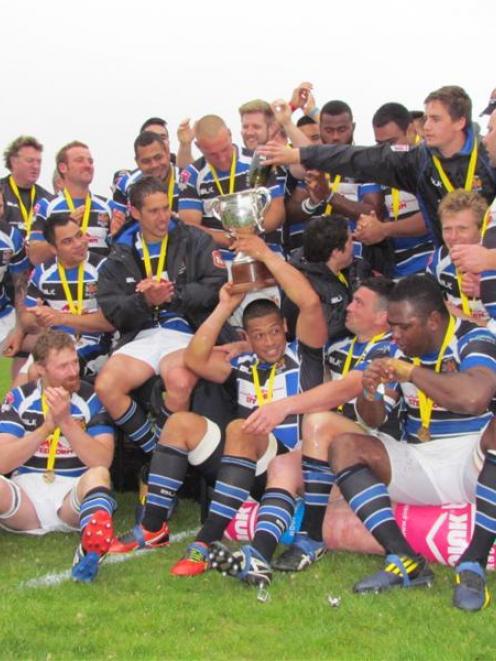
[191,264]
[411,171]
[334,294]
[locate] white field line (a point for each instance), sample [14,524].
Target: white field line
[49,580]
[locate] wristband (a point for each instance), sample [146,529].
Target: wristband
[402,369]
[310,207]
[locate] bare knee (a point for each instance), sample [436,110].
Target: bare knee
[184,430]
[96,476]
[106,384]
[350,449]
[246,445]
[284,472]
[180,380]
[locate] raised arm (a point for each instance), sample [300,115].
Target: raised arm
[200,356]
[311,327]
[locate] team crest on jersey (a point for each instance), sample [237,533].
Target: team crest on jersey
[449,366]
[102,219]
[6,256]
[184,178]
[217,259]
[90,289]
[477,183]
[7,402]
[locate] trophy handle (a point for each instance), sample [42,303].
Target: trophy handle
[213,207]
[265,194]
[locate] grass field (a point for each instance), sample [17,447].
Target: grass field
[134,609]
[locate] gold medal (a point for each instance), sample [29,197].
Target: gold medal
[49,476]
[424,434]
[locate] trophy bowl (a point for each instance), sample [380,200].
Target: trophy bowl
[242,213]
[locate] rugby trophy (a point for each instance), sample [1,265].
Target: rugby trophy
[240,214]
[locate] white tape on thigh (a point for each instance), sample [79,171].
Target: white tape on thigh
[207,446]
[266,458]
[74,500]
[16,498]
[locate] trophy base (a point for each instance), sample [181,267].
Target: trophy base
[250,276]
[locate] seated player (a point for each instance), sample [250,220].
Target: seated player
[274,370]
[61,293]
[446,374]
[159,282]
[58,444]
[308,471]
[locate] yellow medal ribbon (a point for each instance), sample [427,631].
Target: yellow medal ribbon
[261,398]
[75,308]
[170,190]
[232,175]
[161,258]
[395,202]
[342,278]
[53,442]
[467,310]
[349,356]
[426,403]
[469,180]
[27,216]
[485,222]
[87,209]
[334,187]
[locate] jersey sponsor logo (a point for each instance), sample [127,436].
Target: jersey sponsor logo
[217,259]
[400,147]
[29,422]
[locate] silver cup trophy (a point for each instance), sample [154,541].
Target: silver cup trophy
[240,214]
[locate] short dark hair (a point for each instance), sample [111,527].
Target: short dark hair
[51,340]
[53,221]
[381,286]
[456,100]
[143,188]
[153,121]
[417,114]
[322,235]
[392,112]
[336,108]
[260,307]
[147,138]
[305,120]
[422,292]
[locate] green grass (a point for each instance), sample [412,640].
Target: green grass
[136,610]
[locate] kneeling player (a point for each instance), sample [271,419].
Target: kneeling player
[56,440]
